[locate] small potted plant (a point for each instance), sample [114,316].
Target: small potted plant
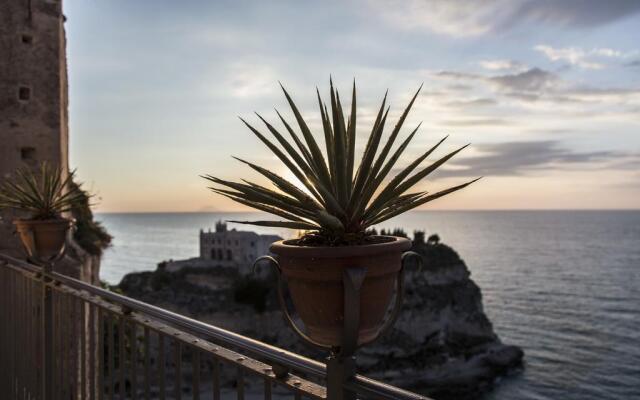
[44,195]
[335,203]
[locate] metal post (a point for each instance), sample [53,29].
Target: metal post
[341,365]
[339,370]
[47,333]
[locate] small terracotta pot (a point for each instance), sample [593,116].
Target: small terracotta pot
[315,280]
[44,240]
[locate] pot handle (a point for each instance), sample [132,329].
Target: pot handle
[397,307]
[283,305]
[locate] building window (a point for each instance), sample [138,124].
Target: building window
[253,244]
[28,153]
[213,254]
[236,242]
[24,93]
[26,39]
[220,255]
[229,255]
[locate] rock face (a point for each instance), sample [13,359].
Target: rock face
[442,345]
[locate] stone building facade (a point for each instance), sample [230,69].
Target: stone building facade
[232,248]
[33,91]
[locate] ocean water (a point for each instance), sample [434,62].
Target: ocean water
[563,285]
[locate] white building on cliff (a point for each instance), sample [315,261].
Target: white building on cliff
[227,248]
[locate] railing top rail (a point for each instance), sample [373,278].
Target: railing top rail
[359,384]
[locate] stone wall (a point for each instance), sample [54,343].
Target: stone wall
[33,91]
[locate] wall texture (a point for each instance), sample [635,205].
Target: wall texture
[33,91]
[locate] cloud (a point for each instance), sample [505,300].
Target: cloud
[480,102]
[477,122]
[634,64]
[532,80]
[582,58]
[518,158]
[499,65]
[537,84]
[248,79]
[464,18]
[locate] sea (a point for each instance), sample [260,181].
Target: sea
[563,285]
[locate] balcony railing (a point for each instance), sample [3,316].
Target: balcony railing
[61,338]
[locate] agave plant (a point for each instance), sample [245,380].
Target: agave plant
[45,194]
[339,199]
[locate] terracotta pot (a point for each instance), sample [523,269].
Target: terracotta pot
[315,280]
[44,240]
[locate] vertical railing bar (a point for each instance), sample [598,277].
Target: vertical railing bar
[20,337]
[84,320]
[75,345]
[47,338]
[33,337]
[55,358]
[216,379]
[240,383]
[8,334]
[17,337]
[70,344]
[6,337]
[196,373]
[16,305]
[111,355]
[19,322]
[4,322]
[178,369]
[38,332]
[29,366]
[31,362]
[133,363]
[101,360]
[121,357]
[41,331]
[4,373]
[267,389]
[58,312]
[12,347]
[66,343]
[92,351]
[147,364]
[161,365]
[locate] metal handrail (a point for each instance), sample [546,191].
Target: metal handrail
[359,384]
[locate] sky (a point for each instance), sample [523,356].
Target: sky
[547,93]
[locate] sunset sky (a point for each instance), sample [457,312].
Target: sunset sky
[547,92]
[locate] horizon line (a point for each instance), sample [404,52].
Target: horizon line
[435,210]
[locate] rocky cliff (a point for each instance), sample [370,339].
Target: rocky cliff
[443,344]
